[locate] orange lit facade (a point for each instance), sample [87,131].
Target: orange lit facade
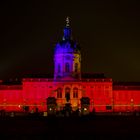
[104,94]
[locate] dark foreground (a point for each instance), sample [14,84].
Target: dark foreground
[95,127]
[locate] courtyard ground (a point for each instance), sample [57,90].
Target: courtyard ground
[69,128]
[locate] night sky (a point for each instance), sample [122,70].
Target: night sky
[108,32]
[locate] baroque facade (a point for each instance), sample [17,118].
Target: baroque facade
[69,85]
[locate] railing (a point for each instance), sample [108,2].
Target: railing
[11,87]
[6,104]
[75,80]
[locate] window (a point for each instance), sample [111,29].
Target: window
[67,94]
[59,93]
[108,107]
[59,68]
[75,93]
[67,90]
[67,67]
[76,67]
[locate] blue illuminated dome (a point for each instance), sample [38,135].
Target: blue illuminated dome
[67,44]
[67,56]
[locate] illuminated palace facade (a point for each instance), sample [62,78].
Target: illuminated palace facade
[69,85]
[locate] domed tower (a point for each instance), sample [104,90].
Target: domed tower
[67,57]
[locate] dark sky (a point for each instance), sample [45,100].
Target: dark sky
[108,32]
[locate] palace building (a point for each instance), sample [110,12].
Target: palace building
[69,85]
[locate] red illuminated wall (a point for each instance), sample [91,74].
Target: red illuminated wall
[10,97]
[104,97]
[100,93]
[126,98]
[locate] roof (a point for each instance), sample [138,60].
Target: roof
[93,75]
[16,81]
[126,85]
[120,83]
[49,75]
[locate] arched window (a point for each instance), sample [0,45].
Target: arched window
[59,93]
[59,68]
[67,67]
[76,67]
[75,92]
[67,93]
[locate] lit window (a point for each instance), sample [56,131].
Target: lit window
[59,93]
[67,89]
[85,109]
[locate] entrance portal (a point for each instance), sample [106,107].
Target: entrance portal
[67,94]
